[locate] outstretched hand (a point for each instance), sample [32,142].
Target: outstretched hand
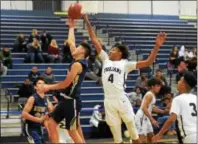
[85,16]
[161,38]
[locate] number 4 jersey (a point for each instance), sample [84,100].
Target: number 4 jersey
[185,107]
[114,74]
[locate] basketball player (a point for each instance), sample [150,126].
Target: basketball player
[34,113]
[183,111]
[69,108]
[143,118]
[114,73]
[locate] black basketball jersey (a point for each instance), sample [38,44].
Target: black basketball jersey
[74,89]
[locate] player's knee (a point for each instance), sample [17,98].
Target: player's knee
[51,124]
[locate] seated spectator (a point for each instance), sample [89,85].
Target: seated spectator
[46,39]
[135,96]
[34,35]
[173,57]
[194,52]
[48,76]
[26,89]
[67,57]
[34,52]
[6,57]
[182,53]
[141,82]
[167,105]
[182,68]
[20,44]
[53,52]
[33,74]
[3,69]
[160,77]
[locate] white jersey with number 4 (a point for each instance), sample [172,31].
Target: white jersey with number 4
[185,107]
[114,74]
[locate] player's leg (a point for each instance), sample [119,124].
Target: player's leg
[54,119]
[113,120]
[80,129]
[128,116]
[72,121]
[35,135]
[150,133]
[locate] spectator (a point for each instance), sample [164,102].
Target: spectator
[189,54]
[20,44]
[53,52]
[194,52]
[48,76]
[182,53]
[141,82]
[3,69]
[67,57]
[182,68]
[34,51]
[46,39]
[33,74]
[5,57]
[33,36]
[173,58]
[135,96]
[167,105]
[160,77]
[26,89]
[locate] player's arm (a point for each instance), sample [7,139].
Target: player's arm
[75,70]
[71,37]
[174,111]
[92,35]
[25,113]
[161,37]
[50,106]
[157,110]
[145,106]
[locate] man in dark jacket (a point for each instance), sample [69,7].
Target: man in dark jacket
[33,74]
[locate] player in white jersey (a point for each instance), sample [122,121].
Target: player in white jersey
[144,119]
[114,73]
[183,111]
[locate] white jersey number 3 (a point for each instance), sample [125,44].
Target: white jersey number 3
[194,113]
[110,79]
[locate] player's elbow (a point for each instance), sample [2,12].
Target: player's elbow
[24,115]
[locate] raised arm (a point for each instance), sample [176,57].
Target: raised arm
[161,37]
[92,35]
[71,37]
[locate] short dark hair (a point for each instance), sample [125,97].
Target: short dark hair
[38,79]
[190,79]
[87,48]
[123,49]
[153,81]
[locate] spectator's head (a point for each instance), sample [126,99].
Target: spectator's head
[38,84]
[118,52]
[48,70]
[27,81]
[44,32]
[34,69]
[85,41]
[36,43]
[34,32]
[154,85]
[175,49]
[83,50]
[187,82]
[169,96]
[143,75]
[6,48]
[54,43]
[194,50]
[21,35]
[159,74]
[137,90]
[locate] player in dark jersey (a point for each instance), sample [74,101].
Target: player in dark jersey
[34,113]
[70,106]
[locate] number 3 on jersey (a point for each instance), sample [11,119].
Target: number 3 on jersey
[110,79]
[194,113]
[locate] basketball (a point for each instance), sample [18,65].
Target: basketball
[74,11]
